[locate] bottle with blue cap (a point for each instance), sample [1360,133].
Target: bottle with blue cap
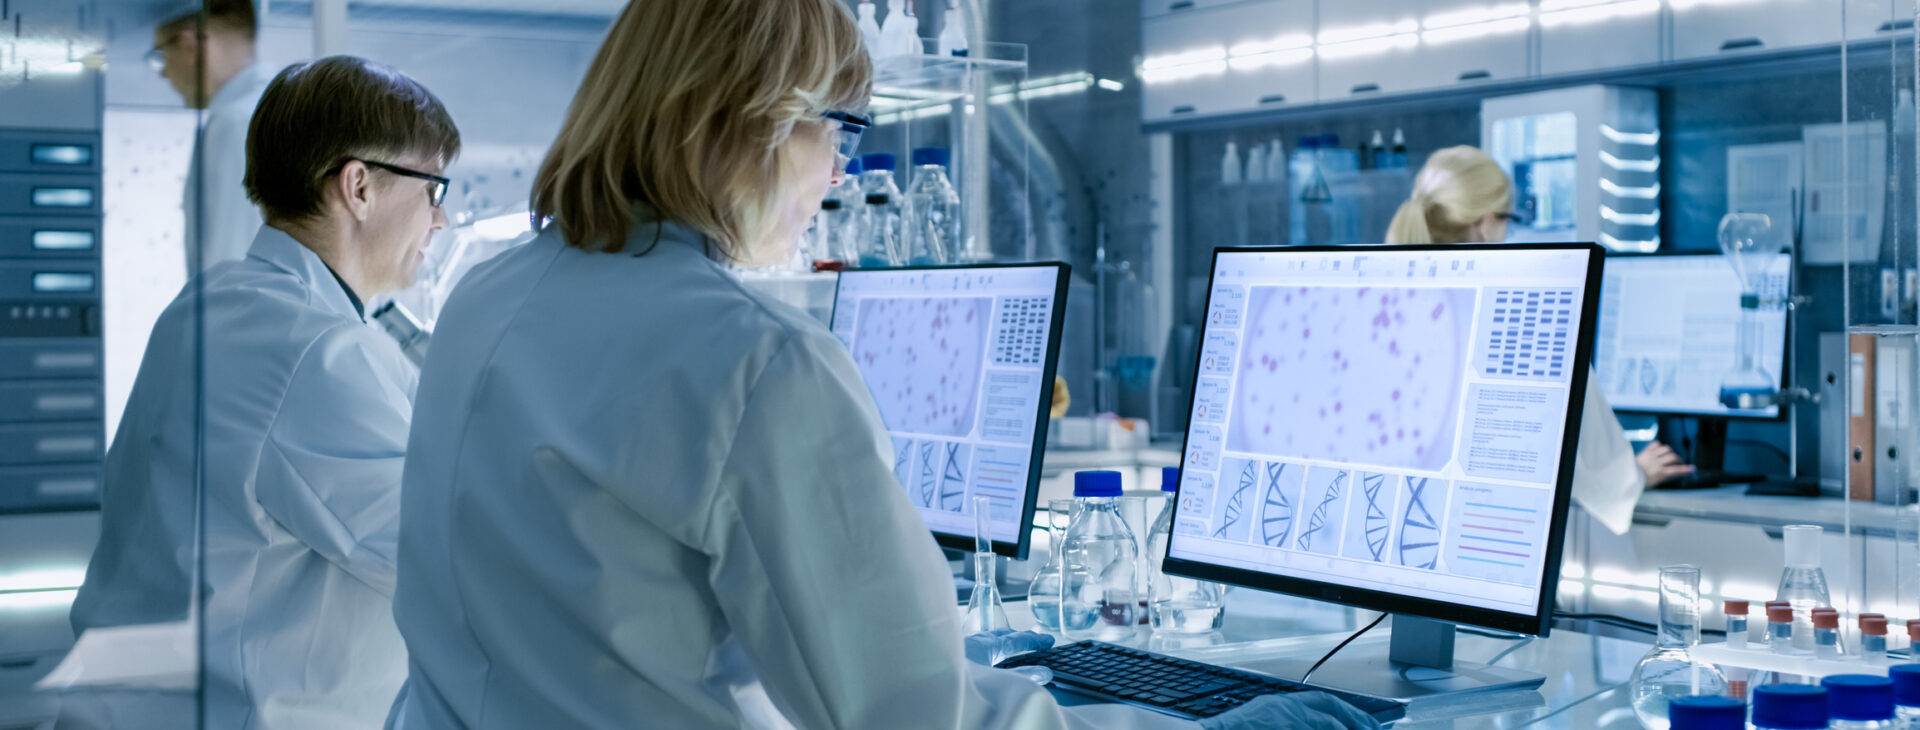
[933,211]
[1099,588]
[1789,707]
[1177,605]
[838,228]
[1859,702]
[1906,695]
[1707,712]
[883,216]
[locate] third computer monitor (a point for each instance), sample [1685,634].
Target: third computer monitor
[960,360]
[1668,332]
[1390,427]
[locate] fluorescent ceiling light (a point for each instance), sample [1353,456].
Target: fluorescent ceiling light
[1627,191]
[1271,58]
[1291,42]
[43,579]
[1185,71]
[1629,219]
[1470,16]
[1185,58]
[1616,163]
[1476,30]
[1619,137]
[1615,244]
[37,600]
[1369,46]
[1591,13]
[1364,32]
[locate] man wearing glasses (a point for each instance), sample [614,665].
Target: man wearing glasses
[207,56]
[267,405]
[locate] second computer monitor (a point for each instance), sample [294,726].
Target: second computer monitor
[1668,336]
[960,360]
[1390,427]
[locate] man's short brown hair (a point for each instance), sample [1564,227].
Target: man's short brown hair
[234,15]
[317,116]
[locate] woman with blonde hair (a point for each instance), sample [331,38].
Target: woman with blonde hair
[640,494]
[1462,196]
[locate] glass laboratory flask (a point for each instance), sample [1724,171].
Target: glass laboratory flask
[1669,671]
[1177,605]
[985,614]
[1744,238]
[1043,594]
[1803,584]
[1099,592]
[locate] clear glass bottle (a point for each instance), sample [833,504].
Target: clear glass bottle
[985,613]
[1043,594]
[1789,707]
[1736,612]
[869,27]
[933,206]
[953,32]
[883,217]
[839,223]
[1859,702]
[1178,605]
[1098,590]
[1669,671]
[1906,695]
[1802,584]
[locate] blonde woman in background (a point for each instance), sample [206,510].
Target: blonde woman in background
[642,494]
[1462,196]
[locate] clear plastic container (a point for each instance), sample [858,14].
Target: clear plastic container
[1669,671]
[1803,584]
[869,26]
[1177,605]
[1043,594]
[837,230]
[1859,702]
[883,215]
[933,209]
[1099,592]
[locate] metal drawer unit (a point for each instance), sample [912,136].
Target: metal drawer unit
[52,438]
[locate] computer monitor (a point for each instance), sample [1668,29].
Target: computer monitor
[1392,428]
[960,360]
[1668,333]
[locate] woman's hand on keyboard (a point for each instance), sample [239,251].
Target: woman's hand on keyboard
[1298,711]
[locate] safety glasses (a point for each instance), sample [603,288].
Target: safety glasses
[440,184]
[846,136]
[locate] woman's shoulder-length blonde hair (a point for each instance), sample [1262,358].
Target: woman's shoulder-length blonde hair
[1458,186]
[684,109]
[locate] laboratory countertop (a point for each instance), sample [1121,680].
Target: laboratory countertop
[1586,674]
[1732,504]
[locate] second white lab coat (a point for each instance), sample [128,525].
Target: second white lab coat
[220,219]
[640,494]
[296,445]
[1607,480]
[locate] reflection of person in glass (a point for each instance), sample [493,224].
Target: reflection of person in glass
[1462,196]
[207,56]
[257,466]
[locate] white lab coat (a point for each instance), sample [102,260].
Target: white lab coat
[640,494]
[1607,481]
[305,424]
[220,219]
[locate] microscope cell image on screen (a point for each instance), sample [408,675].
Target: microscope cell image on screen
[1365,375]
[910,352]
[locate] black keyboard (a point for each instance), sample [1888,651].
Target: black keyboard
[1709,479]
[1176,686]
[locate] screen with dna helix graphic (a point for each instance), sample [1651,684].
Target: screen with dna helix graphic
[1388,419]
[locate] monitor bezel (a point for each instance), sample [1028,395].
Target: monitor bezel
[1786,367]
[1062,276]
[1538,623]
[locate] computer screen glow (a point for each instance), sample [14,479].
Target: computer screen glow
[1666,338]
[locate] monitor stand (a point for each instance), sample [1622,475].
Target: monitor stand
[1419,665]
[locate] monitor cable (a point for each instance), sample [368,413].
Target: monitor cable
[1342,645]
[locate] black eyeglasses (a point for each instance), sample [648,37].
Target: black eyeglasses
[846,137]
[440,184]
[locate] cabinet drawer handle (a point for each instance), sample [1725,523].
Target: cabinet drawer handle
[1896,25]
[1183,109]
[1182,5]
[1273,98]
[1365,88]
[1475,75]
[1739,43]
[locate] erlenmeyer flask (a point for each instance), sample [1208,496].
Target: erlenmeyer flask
[1743,237]
[984,611]
[1043,594]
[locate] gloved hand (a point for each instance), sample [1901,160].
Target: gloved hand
[991,648]
[1299,711]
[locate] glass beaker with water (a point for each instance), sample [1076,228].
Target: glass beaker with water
[1099,583]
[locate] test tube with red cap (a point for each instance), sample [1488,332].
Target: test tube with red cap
[1826,632]
[1779,627]
[1736,611]
[1873,636]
